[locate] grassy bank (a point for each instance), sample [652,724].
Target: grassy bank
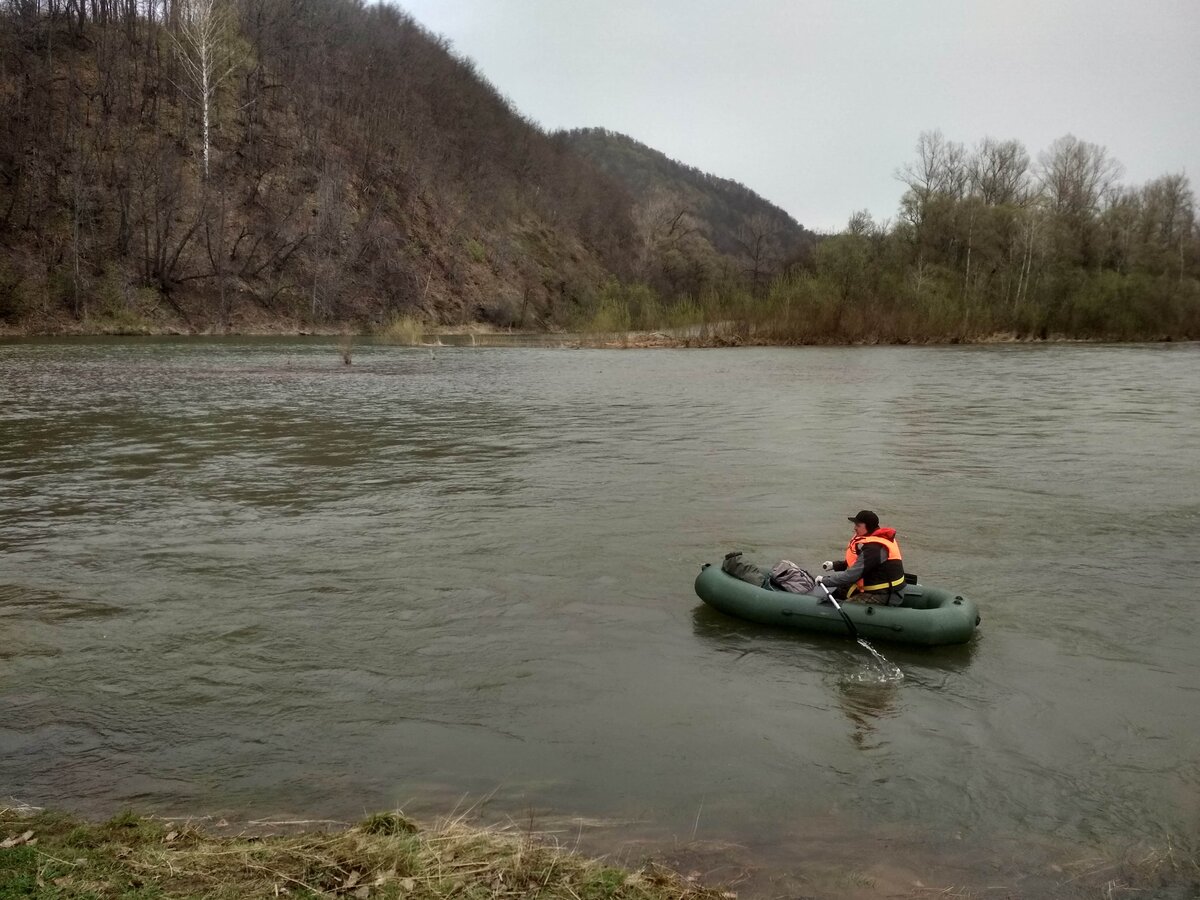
[815,309]
[56,857]
[50,855]
[802,308]
[819,307]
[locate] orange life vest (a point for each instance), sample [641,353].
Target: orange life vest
[887,576]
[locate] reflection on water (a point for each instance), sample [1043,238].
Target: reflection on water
[238,576]
[865,697]
[870,692]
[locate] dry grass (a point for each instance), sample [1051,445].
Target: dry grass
[385,856]
[47,855]
[404,330]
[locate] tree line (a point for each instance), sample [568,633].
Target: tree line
[988,242]
[992,239]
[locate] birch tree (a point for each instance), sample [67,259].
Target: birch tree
[207,57]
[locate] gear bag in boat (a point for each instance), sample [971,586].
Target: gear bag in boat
[734,565]
[787,576]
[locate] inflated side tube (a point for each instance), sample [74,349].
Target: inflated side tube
[930,616]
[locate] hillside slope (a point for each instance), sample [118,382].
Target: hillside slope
[685,215]
[356,170]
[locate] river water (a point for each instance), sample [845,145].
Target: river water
[238,577]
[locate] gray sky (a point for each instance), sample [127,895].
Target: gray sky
[815,105]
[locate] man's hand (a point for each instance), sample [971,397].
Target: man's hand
[827,565]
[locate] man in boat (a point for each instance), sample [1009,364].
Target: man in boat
[873,570]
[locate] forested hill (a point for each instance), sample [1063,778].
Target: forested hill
[343,166]
[209,164]
[676,202]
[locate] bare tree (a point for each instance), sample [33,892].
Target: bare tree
[1168,218]
[1078,179]
[1077,175]
[1120,227]
[940,170]
[207,56]
[758,239]
[663,222]
[999,172]
[861,224]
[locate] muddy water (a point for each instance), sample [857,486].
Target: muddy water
[237,576]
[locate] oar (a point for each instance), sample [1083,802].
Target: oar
[888,666]
[841,612]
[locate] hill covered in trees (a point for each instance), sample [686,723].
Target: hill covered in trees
[249,163]
[691,226]
[226,162]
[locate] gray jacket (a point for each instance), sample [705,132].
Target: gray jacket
[843,576]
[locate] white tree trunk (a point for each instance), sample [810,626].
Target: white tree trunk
[205,104]
[207,58]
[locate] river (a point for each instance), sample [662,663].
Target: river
[239,577]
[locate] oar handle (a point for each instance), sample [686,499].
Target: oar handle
[841,612]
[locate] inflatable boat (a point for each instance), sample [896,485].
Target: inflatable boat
[929,616]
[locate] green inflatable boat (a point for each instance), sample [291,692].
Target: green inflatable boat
[929,616]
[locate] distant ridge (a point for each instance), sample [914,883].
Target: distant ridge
[736,222]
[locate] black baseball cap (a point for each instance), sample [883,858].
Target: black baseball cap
[865,517]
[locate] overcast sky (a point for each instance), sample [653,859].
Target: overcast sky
[815,105]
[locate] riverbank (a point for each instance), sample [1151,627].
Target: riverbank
[46,854]
[688,326]
[734,338]
[694,337]
[388,856]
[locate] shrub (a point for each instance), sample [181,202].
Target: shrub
[402,329]
[476,250]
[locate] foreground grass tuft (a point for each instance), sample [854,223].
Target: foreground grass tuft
[47,855]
